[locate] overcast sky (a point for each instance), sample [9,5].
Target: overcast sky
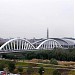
[31,18]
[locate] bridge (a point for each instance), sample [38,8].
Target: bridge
[20,45]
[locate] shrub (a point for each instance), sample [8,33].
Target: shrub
[20,69]
[41,70]
[53,61]
[1,67]
[56,72]
[29,70]
[11,66]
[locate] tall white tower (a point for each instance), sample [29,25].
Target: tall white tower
[47,33]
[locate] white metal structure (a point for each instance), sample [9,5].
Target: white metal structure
[15,45]
[49,44]
[19,45]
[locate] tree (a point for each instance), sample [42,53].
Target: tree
[56,72]
[11,66]
[41,70]
[53,61]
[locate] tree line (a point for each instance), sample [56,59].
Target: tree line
[58,54]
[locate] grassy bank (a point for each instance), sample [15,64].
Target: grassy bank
[49,68]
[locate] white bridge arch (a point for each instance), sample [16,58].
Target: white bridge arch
[49,44]
[19,45]
[16,45]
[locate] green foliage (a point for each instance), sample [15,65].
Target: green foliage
[5,64]
[72,72]
[56,72]
[30,70]
[20,69]
[11,66]
[53,61]
[41,70]
[57,53]
[1,66]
